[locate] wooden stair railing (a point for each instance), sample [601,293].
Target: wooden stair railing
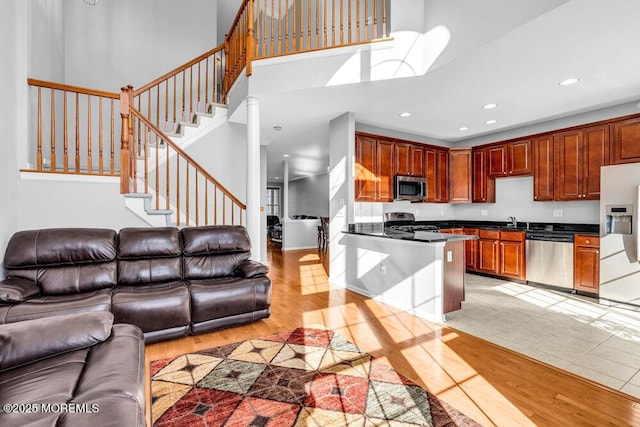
[176,181]
[176,96]
[77,133]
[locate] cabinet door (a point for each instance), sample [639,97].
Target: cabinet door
[460,175]
[519,158]
[471,249]
[365,169]
[384,170]
[430,172]
[625,147]
[497,158]
[484,188]
[442,176]
[512,259]
[586,269]
[402,154]
[595,154]
[568,184]
[417,160]
[543,180]
[488,251]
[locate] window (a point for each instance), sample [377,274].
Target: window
[273,201]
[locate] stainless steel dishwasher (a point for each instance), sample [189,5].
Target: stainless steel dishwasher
[550,258]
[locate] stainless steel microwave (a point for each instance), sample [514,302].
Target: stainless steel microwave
[413,188]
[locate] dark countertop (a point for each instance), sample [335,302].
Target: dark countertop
[565,228]
[376,230]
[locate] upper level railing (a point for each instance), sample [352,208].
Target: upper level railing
[78,130]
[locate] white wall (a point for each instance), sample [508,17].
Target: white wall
[45,203]
[13,51]
[120,42]
[362,127]
[47,41]
[309,196]
[514,197]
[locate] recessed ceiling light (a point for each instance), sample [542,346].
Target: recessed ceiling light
[463,128]
[285,155]
[569,82]
[405,114]
[277,128]
[490,122]
[489,106]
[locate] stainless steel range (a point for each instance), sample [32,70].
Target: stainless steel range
[406,222]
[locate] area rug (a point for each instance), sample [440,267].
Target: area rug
[301,377]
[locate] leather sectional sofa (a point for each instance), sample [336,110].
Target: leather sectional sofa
[72,370]
[169,282]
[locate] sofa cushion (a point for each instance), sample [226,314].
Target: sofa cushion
[47,306]
[152,308]
[32,340]
[214,251]
[17,290]
[212,299]
[75,279]
[59,246]
[149,255]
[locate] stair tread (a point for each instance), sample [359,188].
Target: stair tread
[160,211]
[138,195]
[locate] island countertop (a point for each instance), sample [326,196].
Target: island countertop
[377,230]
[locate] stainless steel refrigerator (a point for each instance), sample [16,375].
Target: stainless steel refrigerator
[619,234]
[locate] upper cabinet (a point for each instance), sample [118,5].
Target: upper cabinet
[436,166]
[409,159]
[460,175]
[543,168]
[581,153]
[625,144]
[510,159]
[374,169]
[483,187]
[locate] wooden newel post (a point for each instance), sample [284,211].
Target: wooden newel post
[125,158]
[251,40]
[227,76]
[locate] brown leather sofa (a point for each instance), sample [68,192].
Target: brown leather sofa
[72,370]
[169,282]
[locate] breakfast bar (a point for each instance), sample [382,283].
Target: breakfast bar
[422,272]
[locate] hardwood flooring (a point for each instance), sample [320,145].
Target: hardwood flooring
[490,384]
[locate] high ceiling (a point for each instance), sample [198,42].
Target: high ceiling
[515,61]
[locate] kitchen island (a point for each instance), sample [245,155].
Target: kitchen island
[421,272]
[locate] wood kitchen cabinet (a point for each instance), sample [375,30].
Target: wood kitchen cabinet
[436,167]
[510,159]
[543,168]
[409,159]
[625,144]
[580,153]
[471,249]
[460,175]
[483,187]
[586,263]
[512,255]
[488,251]
[374,169]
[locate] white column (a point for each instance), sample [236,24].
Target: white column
[285,191]
[253,176]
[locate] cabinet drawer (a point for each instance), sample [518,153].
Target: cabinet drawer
[489,234]
[587,240]
[512,236]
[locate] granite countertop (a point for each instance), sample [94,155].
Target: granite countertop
[564,228]
[376,230]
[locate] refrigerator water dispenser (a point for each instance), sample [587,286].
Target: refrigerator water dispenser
[619,219]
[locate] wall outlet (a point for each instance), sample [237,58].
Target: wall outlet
[383,269]
[557,213]
[484,212]
[449,256]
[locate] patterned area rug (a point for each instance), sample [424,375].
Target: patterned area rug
[302,377]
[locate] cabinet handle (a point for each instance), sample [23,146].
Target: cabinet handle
[588,241]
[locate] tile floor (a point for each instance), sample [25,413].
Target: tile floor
[568,331]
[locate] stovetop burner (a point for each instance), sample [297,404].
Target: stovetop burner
[405,221]
[414,228]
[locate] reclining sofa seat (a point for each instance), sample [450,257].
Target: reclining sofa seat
[167,281]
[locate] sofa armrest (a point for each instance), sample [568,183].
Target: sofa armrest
[17,290]
[33,340]
[249,268]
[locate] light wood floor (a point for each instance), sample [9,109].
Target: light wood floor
[490,384]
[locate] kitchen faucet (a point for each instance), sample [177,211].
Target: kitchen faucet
[514,221]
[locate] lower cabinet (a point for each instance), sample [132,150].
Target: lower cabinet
[586,263]
[500,253]
[471,249]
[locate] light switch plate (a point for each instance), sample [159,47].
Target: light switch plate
[484,212]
